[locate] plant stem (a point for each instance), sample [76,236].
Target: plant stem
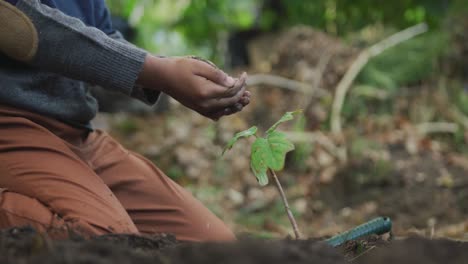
[286,204]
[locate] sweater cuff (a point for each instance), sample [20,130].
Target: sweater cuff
[147,96]
[119,67]
[68,47]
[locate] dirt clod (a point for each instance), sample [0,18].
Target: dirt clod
[418,250]
[26,246]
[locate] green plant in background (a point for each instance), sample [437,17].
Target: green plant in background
[153,21]
[408,63]
[342,16]
[180,27]
[268,155]
[203,18]
[175,27]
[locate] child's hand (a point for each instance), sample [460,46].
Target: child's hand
[237,107]
[196,84]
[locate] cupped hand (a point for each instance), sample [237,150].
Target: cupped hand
[238,106]
[196,84]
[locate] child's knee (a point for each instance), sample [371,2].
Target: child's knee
[221,234]
[19,210]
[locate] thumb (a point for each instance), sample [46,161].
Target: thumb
[212,73]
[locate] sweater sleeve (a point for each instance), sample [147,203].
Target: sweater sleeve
[147,96]
[68,47]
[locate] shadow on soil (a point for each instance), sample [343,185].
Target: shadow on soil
[26,246]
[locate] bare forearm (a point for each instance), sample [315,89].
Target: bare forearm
[152,74]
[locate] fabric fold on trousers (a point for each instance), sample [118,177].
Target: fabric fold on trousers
[58,177]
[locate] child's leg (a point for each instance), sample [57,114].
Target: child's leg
[18,210]
[49,185]
[155,203]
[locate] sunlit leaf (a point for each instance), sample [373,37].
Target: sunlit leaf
[129,7]
[246,133]
[269,153]
[279,146]
[260,156]
[286,117]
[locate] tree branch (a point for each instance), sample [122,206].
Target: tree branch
[320,139]
[348,79]
[285,83]
[437,127]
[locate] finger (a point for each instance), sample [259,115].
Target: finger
[234,109]
[226,111]
[238,107]
[209,90]
[217,115]
[239,86]
[240,83]
[213,74]
[220,103]
[246,95]
[214,91]
[204,60]
[244,101]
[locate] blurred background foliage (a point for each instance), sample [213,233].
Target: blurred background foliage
[196,26]
[423,80]
[209,28]
[205,27]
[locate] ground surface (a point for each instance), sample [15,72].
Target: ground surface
[26,246]
[393,169]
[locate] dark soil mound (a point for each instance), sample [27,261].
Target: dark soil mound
[298,51]
[418,250]
[249,252]
[26,246]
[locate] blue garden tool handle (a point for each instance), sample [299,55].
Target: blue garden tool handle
[379,226]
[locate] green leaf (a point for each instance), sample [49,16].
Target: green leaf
[269,153]
[258,160]
[279,146]
[286,117]
[246,133]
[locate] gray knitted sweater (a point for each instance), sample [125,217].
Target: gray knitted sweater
[69,55]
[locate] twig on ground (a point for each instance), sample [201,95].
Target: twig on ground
[287,84]
[370,92]
[459,117]
[321,139]
[348,79]
[447,109]
[437,127]
[362,254]
[286,204]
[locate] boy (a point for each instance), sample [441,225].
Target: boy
[56,172]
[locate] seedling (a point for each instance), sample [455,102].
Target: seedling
[267,157]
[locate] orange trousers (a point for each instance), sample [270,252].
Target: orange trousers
[58,178]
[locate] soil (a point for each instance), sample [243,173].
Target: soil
[418,250]
[26,246]
[292,54]
[411,190]
[418,181]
